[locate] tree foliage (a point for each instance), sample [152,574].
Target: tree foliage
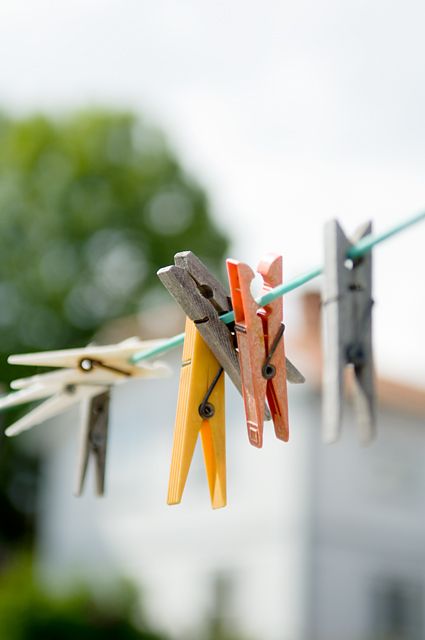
[90,208]
[29,613]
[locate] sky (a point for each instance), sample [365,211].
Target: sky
[289,113]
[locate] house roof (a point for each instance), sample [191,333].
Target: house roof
[392,394]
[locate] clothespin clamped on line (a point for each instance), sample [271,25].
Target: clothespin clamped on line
[259,332]
[89,374]
[203,299]
[347,332]
[208,350]
[200,410]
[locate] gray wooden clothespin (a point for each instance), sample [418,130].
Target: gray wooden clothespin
[203,299]
[94,439]
[347,332]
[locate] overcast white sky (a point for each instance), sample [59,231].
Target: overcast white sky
[288,112]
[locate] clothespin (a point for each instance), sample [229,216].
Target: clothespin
[93,441]
[200,410]
[203,299]
[347,332]
[105,363]
[59,390]
[94,371]
[259,332]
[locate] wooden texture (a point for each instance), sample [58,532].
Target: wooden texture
[347,333]
[199,369]
[93,441]
[256,331]
[203,299]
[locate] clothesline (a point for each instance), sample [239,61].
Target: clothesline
[362,247]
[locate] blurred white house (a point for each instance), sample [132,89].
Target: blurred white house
[317,542]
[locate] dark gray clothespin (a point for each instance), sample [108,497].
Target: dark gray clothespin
[94,437]
[347,332]
[203,299]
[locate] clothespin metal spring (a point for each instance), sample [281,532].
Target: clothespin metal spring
[206,409]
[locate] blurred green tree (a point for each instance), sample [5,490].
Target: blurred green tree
[28,613]
[90,207]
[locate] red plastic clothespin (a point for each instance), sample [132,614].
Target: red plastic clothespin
[259,332]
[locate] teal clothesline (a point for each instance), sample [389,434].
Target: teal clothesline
[365,245]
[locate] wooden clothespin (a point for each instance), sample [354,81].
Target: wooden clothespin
[89,374]
[347,332]
[93,441]
[203,299]
[60,390]
[259,332]
[103,363]
[200,410]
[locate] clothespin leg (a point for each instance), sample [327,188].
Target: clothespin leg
[274,367]
[279,407]
[93,440]
[364,396]
[84,446]
[251,348]
[199,368]
[364,401]
[333,373]
[47,409]
[214,447]
[99,438]
[335,320]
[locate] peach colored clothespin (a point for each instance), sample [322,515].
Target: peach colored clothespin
[259,331]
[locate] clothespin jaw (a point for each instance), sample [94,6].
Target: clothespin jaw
[347,332]
[93,441]
[200,410]
[259,334]
[106,363]
[203,299]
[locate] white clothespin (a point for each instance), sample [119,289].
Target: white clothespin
[60,390]
[107,362]
[90,373]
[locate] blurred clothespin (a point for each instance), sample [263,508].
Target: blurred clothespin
[347,332]
[106,363]
[259,332]
[200,410]
[93,441]
[94,371]
[61,390]
[203,299]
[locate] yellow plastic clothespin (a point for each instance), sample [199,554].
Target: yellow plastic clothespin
[200,409]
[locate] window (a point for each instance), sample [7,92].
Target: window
[397,610]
